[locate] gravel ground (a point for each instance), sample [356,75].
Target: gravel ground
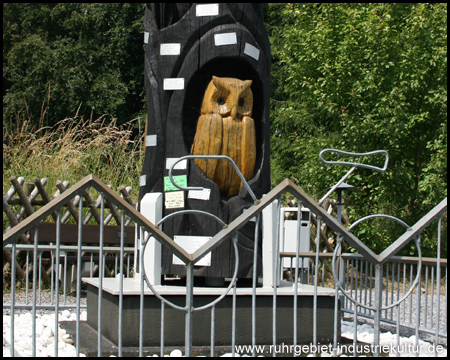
[20,296]
[408,315]
[405,310]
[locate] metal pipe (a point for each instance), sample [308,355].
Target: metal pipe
[33,324]
[276,256]
[377,310]
[233,322]
[438,284]
[189,309]
[27,272]
[58,245]
[254,280]
[122,244]
[163,321]
[213,324]
[355,330]
[316,270]
[336,299]
[297,250]
[334,187]
[223,157]
[141,303]
[13,295]
[80,237]
[100,277]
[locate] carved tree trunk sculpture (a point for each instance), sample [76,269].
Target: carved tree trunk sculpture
[207,70]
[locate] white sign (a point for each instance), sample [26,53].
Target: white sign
[191,244]
[225,39]
[251,51]
[180,166]
[150,140]
[170,49]
[146,36]
[143,180]
[174,200]
[199,194]
[207,10]
[173,84]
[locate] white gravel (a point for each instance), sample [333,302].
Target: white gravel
[45,334]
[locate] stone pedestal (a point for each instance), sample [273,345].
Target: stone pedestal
[174,319]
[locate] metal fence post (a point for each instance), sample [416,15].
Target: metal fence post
[377,313]
[189,308]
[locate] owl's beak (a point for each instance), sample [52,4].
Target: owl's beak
[233,112]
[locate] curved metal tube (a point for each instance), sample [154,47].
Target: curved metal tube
[190,211]
[236,252]
[219,157]
[232,282]
[371,167]
[401,222]
[413,285]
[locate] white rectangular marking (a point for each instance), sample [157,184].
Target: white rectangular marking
[143,180]
[180,166]
[207,10]
[174,200]
[251,51]
[192,244]
[150,140]
[225,39]
[170,49]
[199,194]
[173,84]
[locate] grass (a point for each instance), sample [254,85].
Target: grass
[72,149]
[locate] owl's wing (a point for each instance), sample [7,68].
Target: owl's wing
[239,145]
[208,141]
[248,147]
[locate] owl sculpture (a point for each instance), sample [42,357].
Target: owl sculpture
[225,127]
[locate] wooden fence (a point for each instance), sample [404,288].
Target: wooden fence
[24,198]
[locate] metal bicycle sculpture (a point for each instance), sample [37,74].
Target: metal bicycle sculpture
[234,238]
[389,217]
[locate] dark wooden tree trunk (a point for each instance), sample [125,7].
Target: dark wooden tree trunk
[187,34]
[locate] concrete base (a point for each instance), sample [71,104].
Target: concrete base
[174,319]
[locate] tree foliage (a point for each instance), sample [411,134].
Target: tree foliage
[69,57]
[362,77]
[356,77]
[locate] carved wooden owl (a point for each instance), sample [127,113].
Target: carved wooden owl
[225,127]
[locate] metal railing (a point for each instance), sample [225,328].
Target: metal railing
[376,262]
[398,275]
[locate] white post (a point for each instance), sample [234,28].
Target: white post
[151,208]
[270,232]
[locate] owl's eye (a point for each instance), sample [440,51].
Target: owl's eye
[220,100]
[241,102]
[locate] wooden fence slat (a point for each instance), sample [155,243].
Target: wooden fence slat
[108,217]
[126,194]
[70,205]
[12,191]
[34,193]
[40,185]
[91,234]
[23,197]
[92,209]
[112,233]
[125,191]
[13,221]
[113,211]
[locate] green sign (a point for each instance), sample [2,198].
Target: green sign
[180,180]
